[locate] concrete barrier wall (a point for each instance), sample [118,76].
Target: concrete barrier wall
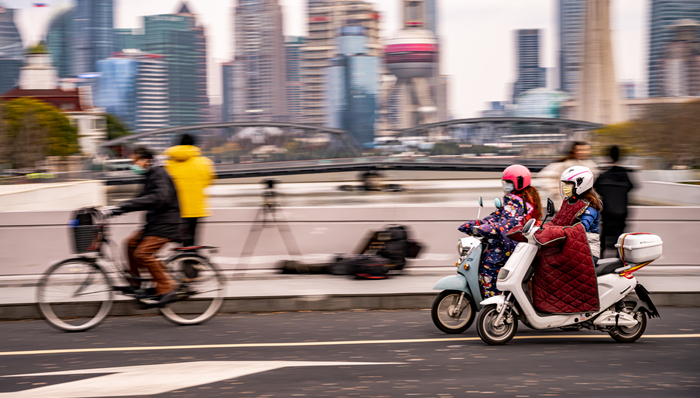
[52,196]
[31,241]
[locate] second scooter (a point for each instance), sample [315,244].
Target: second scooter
[455,307]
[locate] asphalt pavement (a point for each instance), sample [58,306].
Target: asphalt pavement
[385,353]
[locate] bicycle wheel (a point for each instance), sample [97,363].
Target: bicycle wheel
[201,291]
[74,295]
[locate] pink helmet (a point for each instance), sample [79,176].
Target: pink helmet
[518,175]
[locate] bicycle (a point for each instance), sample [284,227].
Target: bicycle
[77,294]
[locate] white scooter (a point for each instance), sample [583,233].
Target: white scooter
[622,315]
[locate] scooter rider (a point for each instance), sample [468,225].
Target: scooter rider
[564,279]
[521,202]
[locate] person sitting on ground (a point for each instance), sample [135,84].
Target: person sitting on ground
[521,203]
[159,199]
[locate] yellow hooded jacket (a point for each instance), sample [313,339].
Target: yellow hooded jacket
[191,172]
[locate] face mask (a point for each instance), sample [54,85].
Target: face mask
[508,187]
[138,170]
[567,190]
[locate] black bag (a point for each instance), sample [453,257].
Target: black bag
[392,242]
[361,265]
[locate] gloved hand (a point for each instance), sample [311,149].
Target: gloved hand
[111,211]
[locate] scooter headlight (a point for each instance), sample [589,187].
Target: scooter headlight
[467,245]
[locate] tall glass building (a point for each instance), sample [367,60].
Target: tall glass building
[530,74]
[227,82]
[665,13]
[182,43]
[352,86]
[259,49]
[11,50]
[59,40]
[571,23]
[134,87]
[129,39]
[93,33]
[293,49]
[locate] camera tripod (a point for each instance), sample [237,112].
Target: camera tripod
[267,214]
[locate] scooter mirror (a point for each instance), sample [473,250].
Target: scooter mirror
[550,208]
[481,203]
[497,202]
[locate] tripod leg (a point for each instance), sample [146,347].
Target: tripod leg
[252,239]
[287,236]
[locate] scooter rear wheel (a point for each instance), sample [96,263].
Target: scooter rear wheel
[624,334]
[492,334]
[447,301]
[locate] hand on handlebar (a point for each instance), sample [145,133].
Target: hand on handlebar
[110,211]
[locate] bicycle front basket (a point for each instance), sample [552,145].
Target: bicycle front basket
[87,236]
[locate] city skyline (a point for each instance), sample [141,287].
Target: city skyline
[491,25]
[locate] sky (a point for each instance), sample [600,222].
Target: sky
[477,37]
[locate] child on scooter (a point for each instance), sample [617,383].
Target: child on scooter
[521,203]
[581,203]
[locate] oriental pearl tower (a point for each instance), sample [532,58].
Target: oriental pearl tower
[412,55]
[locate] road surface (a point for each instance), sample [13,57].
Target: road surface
[343,354]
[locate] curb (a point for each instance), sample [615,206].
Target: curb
[234,305]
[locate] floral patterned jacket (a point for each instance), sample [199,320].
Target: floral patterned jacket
[515,211]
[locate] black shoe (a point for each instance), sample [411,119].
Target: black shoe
[130,289]
[167,298]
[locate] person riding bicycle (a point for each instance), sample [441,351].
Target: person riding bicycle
[159,199]
[521,202]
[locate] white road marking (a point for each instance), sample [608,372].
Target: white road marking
[327,343]
[156,379]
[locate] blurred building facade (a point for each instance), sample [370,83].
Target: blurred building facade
[260,88]
[326,17]
[571,18]
[665,13]
[540,102]
[681,68]
[128,39]
[182,42]
[93,38]
[39,80]
[530,74]
[293,47]
[352,86]
[59,39]
[11,49]
[134,87]
[227,81]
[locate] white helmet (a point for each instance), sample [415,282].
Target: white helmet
[575,181]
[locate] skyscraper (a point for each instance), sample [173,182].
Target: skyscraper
[665,13]
[260,54]
[681,71]
[600,98]
[530,74]
[59,40]
[326,17]
[93,34]
[11,50]
[570,21]
[182,43]
[295,101]
[134,87]
[227,82]
[412,56]
[125,39]
[352,86]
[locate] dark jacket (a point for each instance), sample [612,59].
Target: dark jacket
[159,198]
[614,185]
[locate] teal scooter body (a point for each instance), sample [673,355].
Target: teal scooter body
[455,307]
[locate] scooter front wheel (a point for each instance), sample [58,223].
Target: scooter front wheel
[492,333]
[451,316]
